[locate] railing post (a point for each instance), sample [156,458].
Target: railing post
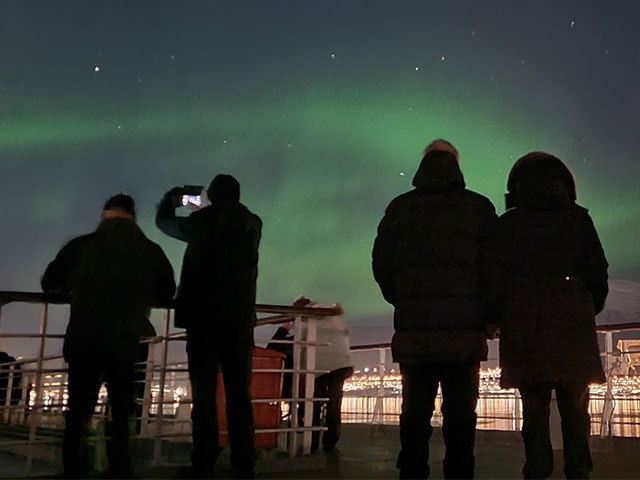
[309,403]
[146,397]
[34,418]
[516,409]
[157,444]
[9,397]
[378,409]
[609,404]
[292,443]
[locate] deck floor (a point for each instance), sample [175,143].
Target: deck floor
[366,452]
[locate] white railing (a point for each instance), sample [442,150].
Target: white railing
[614,406]
[166,399]
[43,384]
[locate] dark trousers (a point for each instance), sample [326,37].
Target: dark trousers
[85,379]
[206,358]
[329,386]
[573,403]
[459,383]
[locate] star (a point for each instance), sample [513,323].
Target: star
[96,68]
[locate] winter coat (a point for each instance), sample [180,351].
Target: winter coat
[549,280]
[217,291]
[113,276]
[429,261]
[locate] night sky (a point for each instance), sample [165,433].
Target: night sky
[321,109]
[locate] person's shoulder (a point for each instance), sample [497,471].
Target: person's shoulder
[580,214]
[479,199]
[402,200]
[79,241]
[252,218]
[511,214]
[479,203]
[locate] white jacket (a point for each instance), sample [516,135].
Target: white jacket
[335,332]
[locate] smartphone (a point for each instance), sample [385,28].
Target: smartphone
[192,195]
[191,200]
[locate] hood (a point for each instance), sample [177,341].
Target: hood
[438,171]
[540,180]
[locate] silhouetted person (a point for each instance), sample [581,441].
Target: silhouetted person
[549,282]
[113,276]
[333,353]
[216,304]
[5,372]
[429,259]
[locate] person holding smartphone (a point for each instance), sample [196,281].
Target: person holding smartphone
[216,304]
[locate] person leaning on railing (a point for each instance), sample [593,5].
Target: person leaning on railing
[113,277]
[333,354]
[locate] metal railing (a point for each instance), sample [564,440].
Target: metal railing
[164,414]
[614,407]
[43,374]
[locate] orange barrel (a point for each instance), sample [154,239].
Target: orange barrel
[263,385]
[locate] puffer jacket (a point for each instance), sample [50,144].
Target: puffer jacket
[113,276]
[549,280]
[429,260]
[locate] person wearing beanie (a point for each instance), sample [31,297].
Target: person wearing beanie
[429,259]
[549,280]
[112,276]
[216,304]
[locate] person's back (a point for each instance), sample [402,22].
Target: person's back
[552,282]
[113,277]
[220,266]
[216,304]
[549,281]
[429,259]
[112,287]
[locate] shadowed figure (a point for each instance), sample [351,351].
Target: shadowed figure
[549,280]
[15,393]
[216,304]
[113,276]
[429,259]
[333,354]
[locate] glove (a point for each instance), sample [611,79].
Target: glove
[176,196]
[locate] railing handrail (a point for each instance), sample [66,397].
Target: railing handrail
[8,296]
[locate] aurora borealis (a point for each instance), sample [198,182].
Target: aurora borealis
[319,108]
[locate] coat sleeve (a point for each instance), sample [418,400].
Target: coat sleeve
[485,238]
[57,277]
[594,264]
[383,256]
[166,219]
[496,271]
[165,284]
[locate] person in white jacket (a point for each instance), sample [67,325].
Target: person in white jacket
[333,354]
